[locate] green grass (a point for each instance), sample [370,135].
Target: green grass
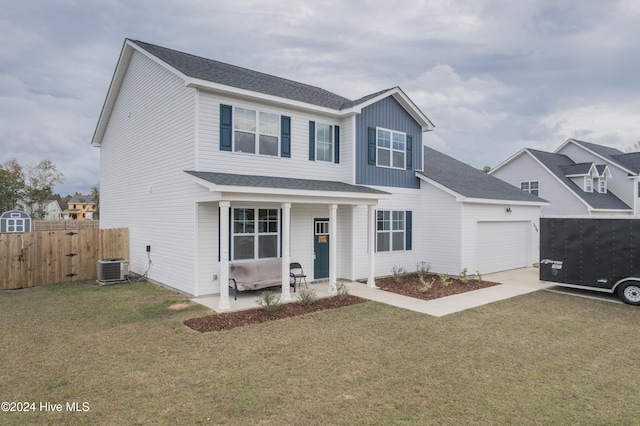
[542,358]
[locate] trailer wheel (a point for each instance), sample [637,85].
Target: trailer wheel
[630,293]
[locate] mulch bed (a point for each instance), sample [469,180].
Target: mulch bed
[229,320]
[408,286]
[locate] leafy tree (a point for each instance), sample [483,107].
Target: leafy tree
[95,193]
[41,179]
[12,185]
[486,169]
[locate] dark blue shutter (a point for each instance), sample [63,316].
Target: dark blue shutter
[409,152]
[312,140]
[407,229]
[226,123]
[336,145]
[285,137]
[372,145]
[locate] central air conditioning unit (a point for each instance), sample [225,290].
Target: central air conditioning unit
[113,270]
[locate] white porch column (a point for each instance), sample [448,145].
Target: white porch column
[371,281]
[333,252]
[224,255]
[286,250]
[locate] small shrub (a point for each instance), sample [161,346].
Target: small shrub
[307,297]
[425,285]
[478,276]
[268,301]
[445,279]
[464,276]
[399,273]
[423,268]
[343,291]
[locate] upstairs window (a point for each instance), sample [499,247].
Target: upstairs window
[256,132]
[602,185]
[390,147]
[324,142]
[588,184]
[531,187]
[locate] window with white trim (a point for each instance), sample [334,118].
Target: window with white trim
[602,185]
[588,184]
[255,127]
[324,142]
[391,148]
[255,233]
[531,187]
[390,230]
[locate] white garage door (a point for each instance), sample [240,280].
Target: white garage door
[502,246]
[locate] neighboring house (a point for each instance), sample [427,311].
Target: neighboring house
[579,178]
[49,211]
[257,166]
[80,207]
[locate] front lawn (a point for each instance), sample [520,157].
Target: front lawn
[542,358]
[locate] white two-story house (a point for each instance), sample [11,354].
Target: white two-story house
[579,178]
[208,163]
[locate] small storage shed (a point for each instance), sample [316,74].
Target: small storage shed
[15,221]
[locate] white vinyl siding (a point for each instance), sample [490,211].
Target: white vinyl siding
[147,145]
[298,166]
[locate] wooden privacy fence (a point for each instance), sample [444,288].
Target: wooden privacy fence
[48,257]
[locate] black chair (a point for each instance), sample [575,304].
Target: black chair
[296,272]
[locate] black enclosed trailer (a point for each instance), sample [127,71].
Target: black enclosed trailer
[594,254]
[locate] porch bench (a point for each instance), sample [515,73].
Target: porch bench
[254,275]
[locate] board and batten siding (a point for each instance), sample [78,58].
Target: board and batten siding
[211,158]
[525,168]
[147,144]
[388,114]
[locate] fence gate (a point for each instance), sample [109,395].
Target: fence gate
[72,253]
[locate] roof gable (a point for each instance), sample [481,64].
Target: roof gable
[202,72]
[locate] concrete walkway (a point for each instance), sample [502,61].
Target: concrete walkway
[512,283]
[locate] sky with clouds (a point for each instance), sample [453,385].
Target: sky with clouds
[494,76]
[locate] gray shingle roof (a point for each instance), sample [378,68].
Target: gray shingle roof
[576,169]
[469,181]
[243,78]
[282,183]
[630,161]
[556,162]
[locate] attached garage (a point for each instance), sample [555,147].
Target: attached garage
[503,245]
[474,220]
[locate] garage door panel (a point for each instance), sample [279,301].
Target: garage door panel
[502,246]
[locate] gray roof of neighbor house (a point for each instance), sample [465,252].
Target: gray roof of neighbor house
[576,169]
[243,78]
[556,163]
[282,183]
[469,181]
[630,161]
[81,199]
